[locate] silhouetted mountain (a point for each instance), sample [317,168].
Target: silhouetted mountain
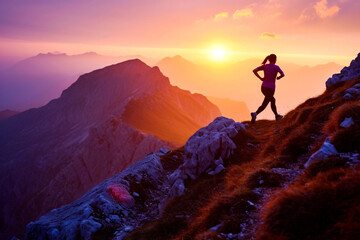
[34,81]
[237,81]
[7,113]
[296,178]
[99,126]
[231,108]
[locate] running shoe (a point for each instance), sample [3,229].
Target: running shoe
[278,117]
[253,117]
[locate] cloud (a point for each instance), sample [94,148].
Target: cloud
[246,12]
[221,16]
[267,35]
[323,11]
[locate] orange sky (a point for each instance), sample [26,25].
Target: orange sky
[301,31]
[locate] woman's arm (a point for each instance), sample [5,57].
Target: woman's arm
[255,71]
[281,74]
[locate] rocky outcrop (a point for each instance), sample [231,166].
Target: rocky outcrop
[205,152]
[118,202]
[113,204]
[346,73]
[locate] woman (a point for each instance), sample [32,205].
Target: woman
[268,86]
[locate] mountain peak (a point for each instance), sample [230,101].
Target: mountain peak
[51,54]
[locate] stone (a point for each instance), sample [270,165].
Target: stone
[326,149]
[53,234]
[120,194]
[348,96]
[163,151]
[219,161]
[115,218]
[177,189]
[128,228]
[88,227]
[352,91]
[219,169]
[348,122]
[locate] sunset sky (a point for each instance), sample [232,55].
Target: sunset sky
[302,31]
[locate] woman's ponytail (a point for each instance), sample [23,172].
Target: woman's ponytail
[265,60]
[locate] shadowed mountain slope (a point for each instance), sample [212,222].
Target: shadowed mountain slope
[52,155]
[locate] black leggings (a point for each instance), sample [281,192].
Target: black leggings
[269,97]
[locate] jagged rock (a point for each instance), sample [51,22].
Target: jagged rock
[326,149]
[205,151]
[208,145]
[77,219]
[346,73]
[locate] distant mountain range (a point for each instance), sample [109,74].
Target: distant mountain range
[33,82]
[232,109]
[237,81]
[106,120]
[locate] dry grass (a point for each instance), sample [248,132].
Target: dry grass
[315,210]
[321,204]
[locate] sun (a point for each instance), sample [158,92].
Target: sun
[218,54]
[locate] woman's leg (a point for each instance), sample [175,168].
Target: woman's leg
[273,106]
[269,97]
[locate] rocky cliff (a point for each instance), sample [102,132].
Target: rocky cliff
[297,178]
[52,155]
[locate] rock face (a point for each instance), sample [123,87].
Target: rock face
[52,155]
[118,202]
[106,205]
[205,151]
[346,73]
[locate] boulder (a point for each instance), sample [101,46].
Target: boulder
[326,150]
[205,151]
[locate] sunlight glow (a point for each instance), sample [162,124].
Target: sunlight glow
[218,54]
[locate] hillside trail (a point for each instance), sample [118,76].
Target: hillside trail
[264,130]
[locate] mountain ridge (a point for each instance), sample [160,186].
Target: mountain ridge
[236,180]
[60,145]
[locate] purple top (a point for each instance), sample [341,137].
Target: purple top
[270,72]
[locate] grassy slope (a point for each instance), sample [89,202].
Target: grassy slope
[321,202]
